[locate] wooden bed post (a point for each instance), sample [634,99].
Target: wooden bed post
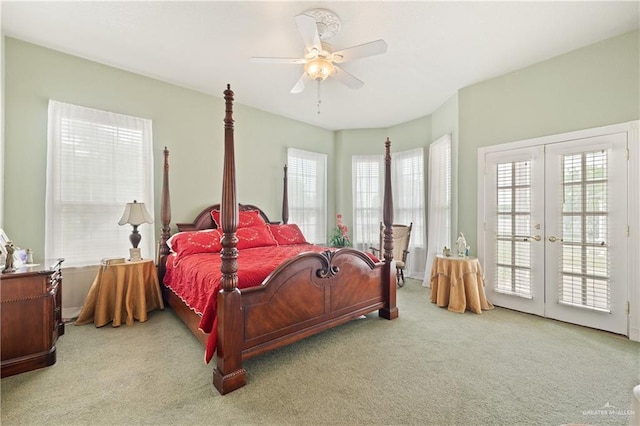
[285,198]
[229,374]
[390,311]
[165,219]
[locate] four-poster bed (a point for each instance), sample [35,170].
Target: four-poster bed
[308,289]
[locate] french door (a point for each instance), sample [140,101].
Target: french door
[555,221]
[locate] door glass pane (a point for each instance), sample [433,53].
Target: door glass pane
[523,224]
[572,170]
[504,224]
[505,200]
[572,228]
[523,200]
[572,198]
[572,259]
[584,263]
[523,256]
[513,247]
[504,252]
[596,197]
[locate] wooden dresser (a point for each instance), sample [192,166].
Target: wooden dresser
[31,317]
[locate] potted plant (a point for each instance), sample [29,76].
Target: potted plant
[338,236]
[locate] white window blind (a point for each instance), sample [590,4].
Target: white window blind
[97,161]
[307,191]
[367,181]
[513,268]
[439,213]
[407,181]
[585,269]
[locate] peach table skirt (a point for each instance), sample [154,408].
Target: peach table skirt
[120,292]
[457,283]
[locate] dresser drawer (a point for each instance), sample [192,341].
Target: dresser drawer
[30,318]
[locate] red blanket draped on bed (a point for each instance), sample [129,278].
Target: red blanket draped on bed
[196,279]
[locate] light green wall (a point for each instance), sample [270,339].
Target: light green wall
[445,120]
[593,86]
[189,123]
[589,87]
[412,134]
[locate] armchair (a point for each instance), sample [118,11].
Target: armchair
[401,236]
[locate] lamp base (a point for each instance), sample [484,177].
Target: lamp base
[134,255]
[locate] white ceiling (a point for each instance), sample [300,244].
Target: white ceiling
[435,48]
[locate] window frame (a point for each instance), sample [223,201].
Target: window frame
[97,161]
[306,175]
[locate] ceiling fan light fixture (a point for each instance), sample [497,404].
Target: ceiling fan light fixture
[319,68]
[320,61]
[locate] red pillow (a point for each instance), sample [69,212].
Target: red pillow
[287,234]
[246,218]
[193,242]
[254,236]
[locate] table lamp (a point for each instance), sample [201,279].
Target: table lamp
[135,214]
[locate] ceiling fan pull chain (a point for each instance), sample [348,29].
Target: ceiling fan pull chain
[319,101]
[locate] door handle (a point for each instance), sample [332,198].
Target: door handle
[553,239]
[536,237]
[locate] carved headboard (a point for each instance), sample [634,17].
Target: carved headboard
[204,220]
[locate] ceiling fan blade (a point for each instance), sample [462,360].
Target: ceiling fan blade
[299,86]
[268,60]
[309,32]
[347,79]
[361,51]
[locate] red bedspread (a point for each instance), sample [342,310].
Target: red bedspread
[196,279]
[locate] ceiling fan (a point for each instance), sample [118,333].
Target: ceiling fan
[320,61]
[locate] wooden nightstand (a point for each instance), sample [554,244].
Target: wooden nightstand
[31,313]
[125,291]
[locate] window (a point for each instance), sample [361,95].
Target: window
[513,218]
[368,181]
[585,271]
[439,215]
[407,181]
[97,161]
[307,191]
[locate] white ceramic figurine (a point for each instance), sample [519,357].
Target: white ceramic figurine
[461,244]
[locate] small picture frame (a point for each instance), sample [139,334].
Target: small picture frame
[134,255]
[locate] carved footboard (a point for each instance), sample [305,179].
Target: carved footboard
[308,294]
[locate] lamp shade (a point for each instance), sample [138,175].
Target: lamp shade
[135,214]
[319,68]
